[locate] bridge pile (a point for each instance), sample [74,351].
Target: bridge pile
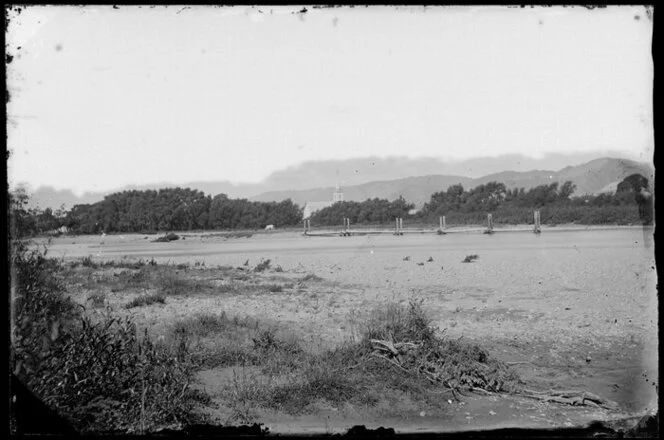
[399,229]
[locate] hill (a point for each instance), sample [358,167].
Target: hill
[592,177]
[369,177]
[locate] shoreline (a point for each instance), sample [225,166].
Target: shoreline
[242,233]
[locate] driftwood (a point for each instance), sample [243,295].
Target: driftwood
[570,397]
[521,363]
[396,353]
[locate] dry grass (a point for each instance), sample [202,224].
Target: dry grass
[285,376]
[397,351]
[98,299]
[146,300]
[311,277]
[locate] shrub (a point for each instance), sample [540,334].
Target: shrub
[311,277]
[394,322]
[171,284]
[406,338]
[88,262]
[96,372]
[470,258]
[97,298]
[262,266]
[146,300]
[166,238]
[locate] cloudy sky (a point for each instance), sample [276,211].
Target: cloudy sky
[103,97]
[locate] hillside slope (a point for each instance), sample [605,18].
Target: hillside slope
[590,178]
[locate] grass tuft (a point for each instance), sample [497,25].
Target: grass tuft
[311,277]
[97,298]
[89,262]
[146,300]
[470,258]
[262,266]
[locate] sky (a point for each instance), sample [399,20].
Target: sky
[104,97]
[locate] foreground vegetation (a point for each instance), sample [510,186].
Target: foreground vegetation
[101,372]
[96,371]
[105,371]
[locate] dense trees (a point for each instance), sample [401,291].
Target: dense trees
[631,203]
[177,209]
[134,211]
[24,221]
[226,213]
[371,211]
[187,209]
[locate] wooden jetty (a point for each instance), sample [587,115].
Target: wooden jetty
[347,231]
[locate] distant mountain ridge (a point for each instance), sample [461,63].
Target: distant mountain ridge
[369,177]
[593,177]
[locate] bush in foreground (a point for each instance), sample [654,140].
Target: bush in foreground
[98,373]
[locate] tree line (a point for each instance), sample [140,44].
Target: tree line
[148,211]
[371,211]
[187,209]
[630,203]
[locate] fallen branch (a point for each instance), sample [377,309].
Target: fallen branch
[521,362]
[396,364]
[482,390]
[571,397]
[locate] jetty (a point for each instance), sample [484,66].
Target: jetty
[347,231]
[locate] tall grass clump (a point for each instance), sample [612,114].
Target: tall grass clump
[146,300]
[262,266]
[172,284]
[311,277]
[97,298]
[405,338]
[397,323]
[89,262]
[218,340]
[98,373]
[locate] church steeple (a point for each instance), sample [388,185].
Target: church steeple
[338,195]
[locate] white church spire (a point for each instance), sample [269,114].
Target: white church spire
[338,195]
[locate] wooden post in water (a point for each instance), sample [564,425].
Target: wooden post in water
[441,224]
